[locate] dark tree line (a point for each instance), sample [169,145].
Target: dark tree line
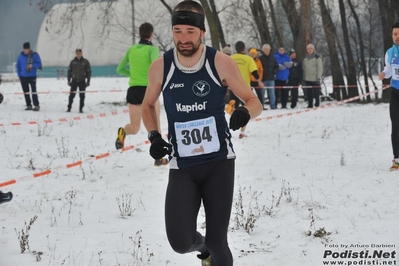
[350,43]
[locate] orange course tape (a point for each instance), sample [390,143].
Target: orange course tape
[64,119]
[320,107]
[67,166]
[107,154]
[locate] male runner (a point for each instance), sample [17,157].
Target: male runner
[391,70]
[192,78]
[139,57]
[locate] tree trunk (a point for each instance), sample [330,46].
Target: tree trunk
[300,25]
[305,28]
[343,88]
[218,23]
[133,26]
[259,14]
[331,37]
[351,71]
[395,6]
[361,47]
[293,18]
[167,6]
[280,40]
[387,14]
[213,26]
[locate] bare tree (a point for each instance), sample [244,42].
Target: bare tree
[240,24]
[170,10]
[305,28]
[300,24]
[255,22]
[215,14]
[212,22]
[276,27]
[331,38]
[374,42]
[361,47]
[260,18]
[212,15]
[387,13]
[351,64]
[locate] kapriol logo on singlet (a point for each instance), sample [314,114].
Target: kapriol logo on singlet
[201,88]
[187,108]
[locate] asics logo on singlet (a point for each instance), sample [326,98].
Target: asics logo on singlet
[187,108]
[176,85]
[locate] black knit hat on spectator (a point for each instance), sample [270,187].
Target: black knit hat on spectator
[26,45]
[78,50]
[292,51]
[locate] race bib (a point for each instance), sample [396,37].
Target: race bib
[197,137]
[395,74]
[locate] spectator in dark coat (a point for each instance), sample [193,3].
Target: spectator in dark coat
[79,74]
[270,68]
[295,77]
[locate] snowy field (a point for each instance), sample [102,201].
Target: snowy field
[308,185]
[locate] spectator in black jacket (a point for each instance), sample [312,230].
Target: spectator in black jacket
[295,77]
[270,68]
[79,74]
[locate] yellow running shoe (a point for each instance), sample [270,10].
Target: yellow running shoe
[230,107]
[120,139]
[395,166]
[205,258]
[206,262]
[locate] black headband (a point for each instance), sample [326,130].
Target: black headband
[188,18]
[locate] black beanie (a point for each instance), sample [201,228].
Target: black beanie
[27,45]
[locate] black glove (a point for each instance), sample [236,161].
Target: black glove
[239,118]
[69,83]
[159,147]
[87,84]
[5,197]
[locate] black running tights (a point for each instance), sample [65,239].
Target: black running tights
[394,114]
[214,184]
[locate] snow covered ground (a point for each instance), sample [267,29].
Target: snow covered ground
[295,175]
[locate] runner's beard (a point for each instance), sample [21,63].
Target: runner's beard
[188,52]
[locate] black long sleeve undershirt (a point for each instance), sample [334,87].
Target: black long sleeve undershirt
[256,74]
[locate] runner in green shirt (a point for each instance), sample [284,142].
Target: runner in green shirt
[139,58]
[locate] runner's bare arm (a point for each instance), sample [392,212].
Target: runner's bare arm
[155,77]
[229,73]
